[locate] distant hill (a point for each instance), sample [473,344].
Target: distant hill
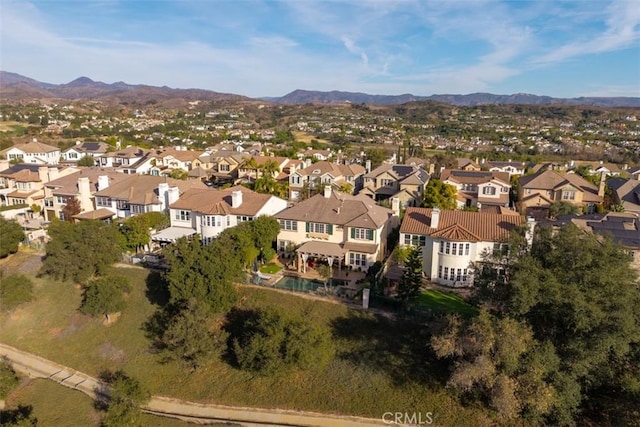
[17,87]
[304,96]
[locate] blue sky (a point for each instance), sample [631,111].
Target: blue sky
[270,48]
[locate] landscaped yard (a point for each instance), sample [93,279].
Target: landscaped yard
[433,299]
[381,365]
[271,268]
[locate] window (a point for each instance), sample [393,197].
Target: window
[228,220]
[386,182]
[103,201]
[320,228]
[459,275]
[122,204]
[466,249]
[414,240]
[568,195]
[504,189]
[490,191]
[447,248]
[137,209]
[23,185]
[48,203]
[452,276]
[446,273]
[61,200]
[439,272]
[182,215]
[454,248]
[244,218]
[361,234]
[500,249]
[464,275]
[288,224]
[356,258]
[223,167]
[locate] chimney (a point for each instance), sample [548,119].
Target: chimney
[435,217]
[4,165]
[367,166]
[84,194]
[327,191]
[53,174]
[236,198]
[432,168]
[603,183]
[43,174]
[173,194]
[395,206]
[103,182]
[163,189]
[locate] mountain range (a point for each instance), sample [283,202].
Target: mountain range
[17,87]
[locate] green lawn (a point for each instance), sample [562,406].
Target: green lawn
[444,301]
[381,365]
[271,268]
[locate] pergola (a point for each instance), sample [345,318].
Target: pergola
[324,250]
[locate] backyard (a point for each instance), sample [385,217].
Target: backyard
[381,364]
[448,302]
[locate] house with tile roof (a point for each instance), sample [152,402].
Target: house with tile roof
[335,226]
[323,173]
[510,167]
[33,152]
[177,159]
[208,212]
[478,188]
[537,192]
[23,184]
[122,158]
[626,193]
[83,149]
[466,164]
[81,185]
[142,193]
[254,166]
[404,182]
[452,240]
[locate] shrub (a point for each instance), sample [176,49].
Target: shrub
[8,379]
[104,295]
[15,290]
[126,397]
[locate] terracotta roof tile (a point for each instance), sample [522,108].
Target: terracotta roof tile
[210,201]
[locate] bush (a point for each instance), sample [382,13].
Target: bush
[15,290]
[126,397]
[270,341]
[8,379]
[12,235]
[104,295]
[268,254]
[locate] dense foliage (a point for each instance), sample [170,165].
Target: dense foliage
[78,251]
[437,194]
[104,295]
[12,235]
[577,299]
[136,229]
[8,379]
[15,289]
[126,395]
[411,280]
[270,341]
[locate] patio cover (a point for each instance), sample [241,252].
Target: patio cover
[367,248]
[172,234]
[324,249]
[101,213]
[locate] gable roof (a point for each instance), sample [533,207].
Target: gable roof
[551,180]
[33,147]
[182,155]
[335,170]
[474,177]
[143,189]
[209,201]
[461,225]
[339,209]
[68,185]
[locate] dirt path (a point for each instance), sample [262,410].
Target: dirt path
[37,367]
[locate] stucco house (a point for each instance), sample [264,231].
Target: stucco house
[452,240]
[335,226]
[124,157]
[208,212]
[322,173]
[625,192]
[83,149]
[537,192]
[33,152]
[23,184]
[478,188]
[404,182]
[510,167]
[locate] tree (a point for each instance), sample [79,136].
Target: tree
[188,336]
[411,280]
[270,341]
[12,235]
[205,273]
[103,296]
[87,161]
[561,207]
[180,174]
[376,156]
[8,379]
[126,395]
[80,251]
[440,195]
[71,208]
[136,229]
[15,290]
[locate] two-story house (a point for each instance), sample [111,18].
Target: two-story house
[81,185]
[478,188]
[335,226]
[177,159]
[254,167]
[23,184]
[626,193]
[510,167]
[452,240]
[405,182]
[122,158]
[320,174]
[33,152]
[310,153]
[82,149]
[208,212]
[537,192]
[142,193]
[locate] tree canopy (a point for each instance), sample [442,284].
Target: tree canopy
[103,296]
[12,235]
[411,280]
[81,250]
[126,395]
[440,195]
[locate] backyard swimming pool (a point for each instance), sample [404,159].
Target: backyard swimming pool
[298,284]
